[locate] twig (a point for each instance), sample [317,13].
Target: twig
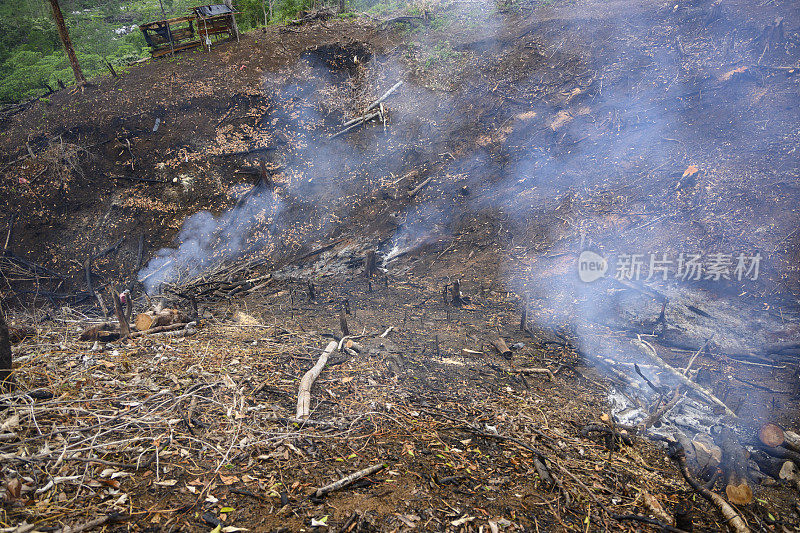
[91,524]
[703,393]
[386,95]
[360,120]
[349,480]
[413,192]
[691,360]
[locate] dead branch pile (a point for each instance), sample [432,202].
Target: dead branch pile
[222,282]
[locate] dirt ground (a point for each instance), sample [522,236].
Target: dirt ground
[521,136]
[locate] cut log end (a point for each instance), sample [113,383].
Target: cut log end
[771,435]
[501,347]
[165,317]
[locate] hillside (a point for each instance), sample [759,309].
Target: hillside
[563,249]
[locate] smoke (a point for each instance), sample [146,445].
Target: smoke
[320,180]
[624,136]
[578,128]
[206,240]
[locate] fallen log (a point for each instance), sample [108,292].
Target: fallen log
[104,332]
[652,504]
[304,393]
[161,329]
[349,480]
[778,469]
[773,435]
[165,317]
[403,19]
[782,453]
[545,371]
[734,463]
[732,518]
[791,440]
[707,454]
[187,331]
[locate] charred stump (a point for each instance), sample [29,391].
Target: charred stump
[370,264]
[458,298]
[343,324]
[312,291]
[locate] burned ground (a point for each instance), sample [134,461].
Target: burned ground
[519,138]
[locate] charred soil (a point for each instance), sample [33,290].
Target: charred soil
[521,137]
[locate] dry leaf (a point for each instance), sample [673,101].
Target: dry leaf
[731,73]
[113,483]
[14,488]
[10,424]
[691,170]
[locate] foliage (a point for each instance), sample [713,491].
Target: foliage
[31,56]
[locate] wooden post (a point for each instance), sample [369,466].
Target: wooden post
[67,42]
[6,379]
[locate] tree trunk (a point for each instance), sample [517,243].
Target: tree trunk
[235,26]
[5,355]
[67,42]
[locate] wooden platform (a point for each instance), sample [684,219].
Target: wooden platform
[183,33]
